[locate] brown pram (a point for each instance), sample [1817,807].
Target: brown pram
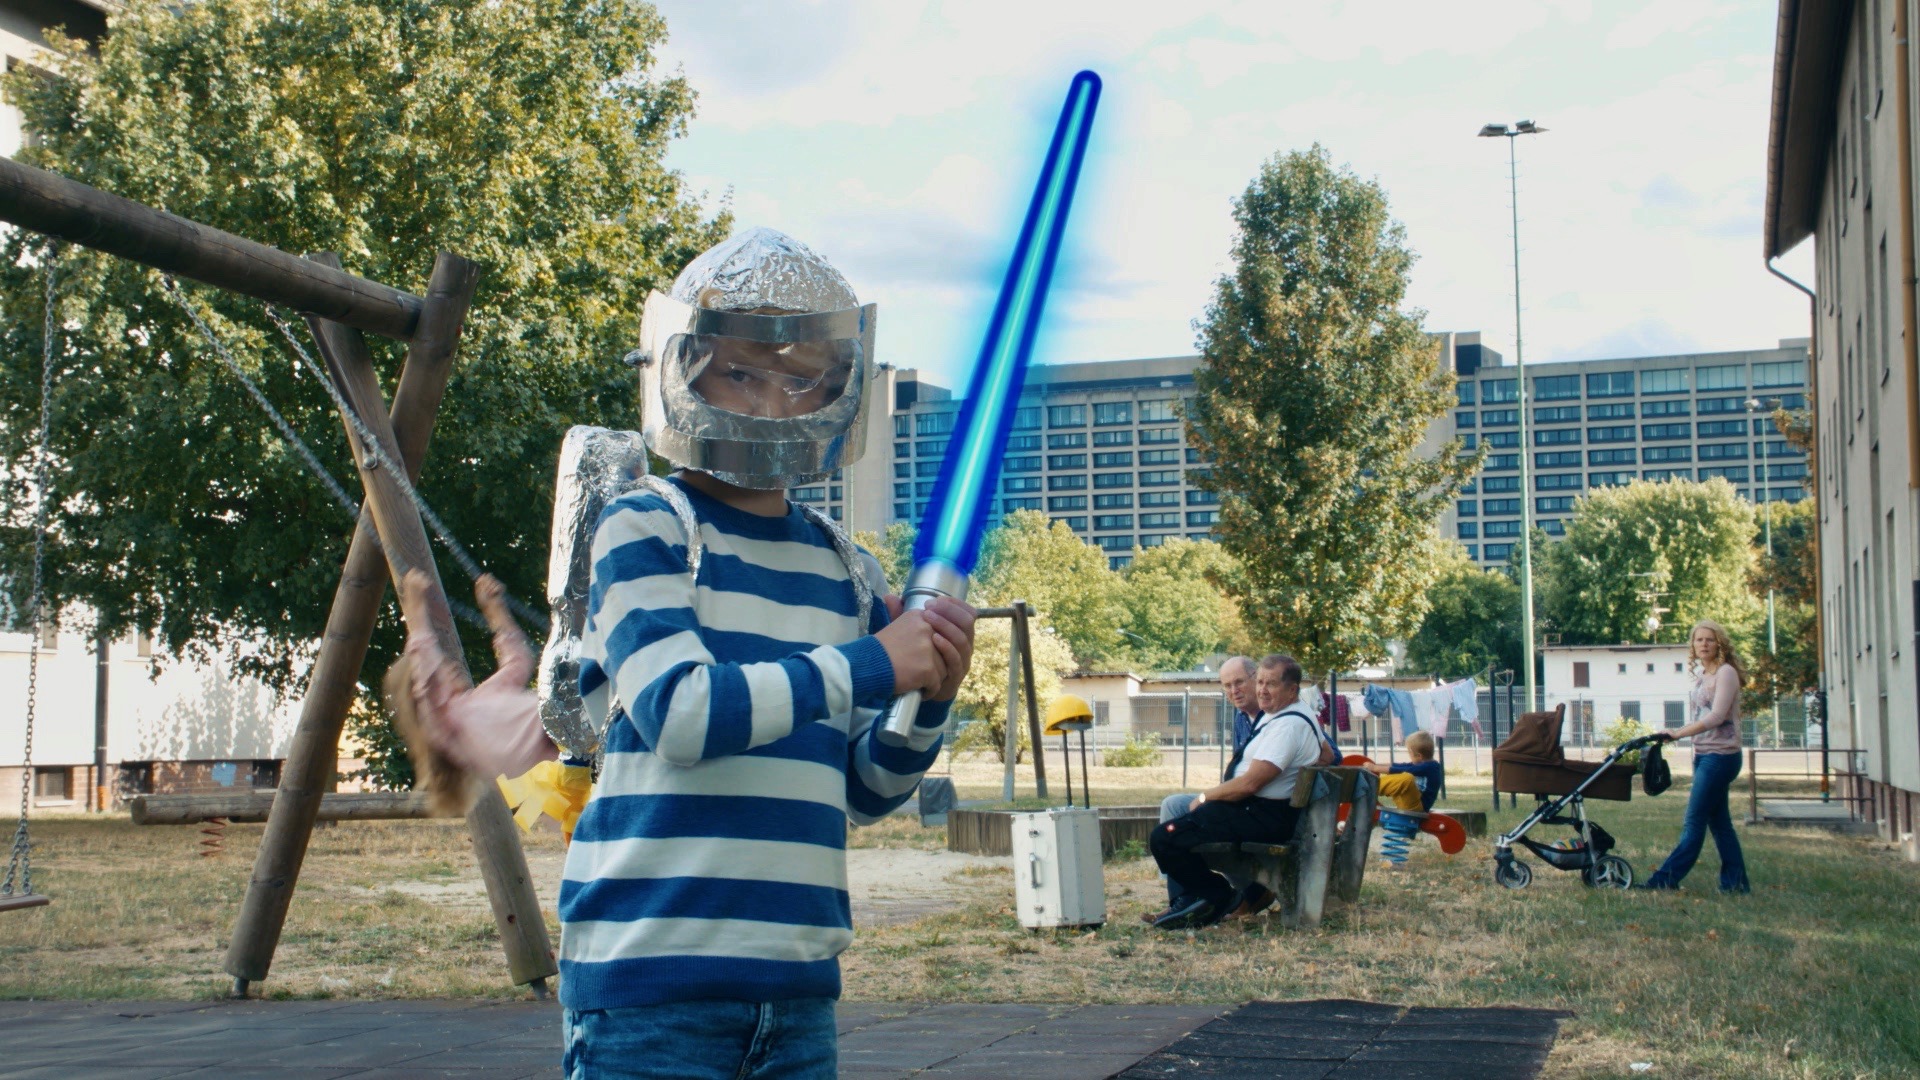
[1531,761]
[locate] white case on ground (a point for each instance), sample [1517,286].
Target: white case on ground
[1057,874]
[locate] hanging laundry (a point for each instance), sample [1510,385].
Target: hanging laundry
[1466,700]
[1422,708]
[1376,700]
[1342,711]
[1440,700]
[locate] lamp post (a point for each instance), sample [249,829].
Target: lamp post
[1754,405]
[1491,131]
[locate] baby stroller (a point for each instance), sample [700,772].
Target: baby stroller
[1531,761]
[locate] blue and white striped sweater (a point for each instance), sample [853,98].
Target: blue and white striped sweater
[738,712]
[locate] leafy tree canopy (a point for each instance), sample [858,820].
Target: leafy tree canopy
[1176,612]
[1792,572]
[1473,620]
[525,135]
[1066,579]
[1316,390]
[983,696]
[1686,544]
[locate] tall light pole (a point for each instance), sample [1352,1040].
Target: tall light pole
[1754,405]
[1492,131]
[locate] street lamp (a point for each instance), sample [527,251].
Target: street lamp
[1493,131]
[1754,405]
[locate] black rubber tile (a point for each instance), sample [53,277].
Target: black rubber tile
[1421,1014]
[1174,1067]
[1504,1055]
[1516,1035]
[1278,1047]
[1335,1030]
[1428,1070]
[1362,1012]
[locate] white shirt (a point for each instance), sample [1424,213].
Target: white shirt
[1287,740]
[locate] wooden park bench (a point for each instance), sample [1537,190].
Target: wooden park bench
[1322,857]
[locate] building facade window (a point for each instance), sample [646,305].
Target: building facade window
[1067,482]
[1501,483]
[1612,433]
[1121,460]
[1668,453]
[1496,462]
[1502,528]
[1720,429]
[1500,417]
[1029,463]
[1020,443]
[1556,387]
[1109,413]
[1074,522]
[1618,410]
[1463,393]
[1026,418]
[1467,530]
[1016,484]
[1203,517]
[1783,373]
[1110,522]
[1664,381]
[902,426]
[1655,432]
[1160,457]
[1497,552]
[1553,504]
[1113,438]
[1058,503]
[1609,479]
[1159,436]
[1463,418]
[1735,473]
[1721,377]
[1114,543]
[1112,480]
[927,467]
[1557,414]
[1557,437]
[1658,475]
[1556,481]
[1672,407]
[1194,498]
[933,423]
[1712,405]
[1554,527]
[930,448]
[1072,440]
[1066,416]
[1156,412]
[1497,391]
[1160,521]
[1066,461]
[1113,502]
[1610,384]
[1502,506]
[1723,451]
[1557,459]
[1160,478]
[1467,507]
[1611,457]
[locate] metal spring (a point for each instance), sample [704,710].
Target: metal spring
[214,835]
[1396,836]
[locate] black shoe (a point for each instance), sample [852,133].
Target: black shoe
[1191,915]
[1253,900]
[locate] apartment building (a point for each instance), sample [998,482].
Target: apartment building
[1840,170]
[1099,446]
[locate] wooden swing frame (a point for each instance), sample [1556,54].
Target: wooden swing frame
[341,309]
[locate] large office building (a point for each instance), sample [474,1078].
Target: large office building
[1100,445]
[1601,423]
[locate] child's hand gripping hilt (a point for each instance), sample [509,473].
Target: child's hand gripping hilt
[931,578]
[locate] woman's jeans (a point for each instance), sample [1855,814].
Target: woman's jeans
[704,1040]
[1713,776]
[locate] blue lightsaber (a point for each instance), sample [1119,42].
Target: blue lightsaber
[949,542]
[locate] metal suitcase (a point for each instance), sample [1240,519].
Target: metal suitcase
[1058,879]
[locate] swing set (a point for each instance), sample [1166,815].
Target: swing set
[389,442]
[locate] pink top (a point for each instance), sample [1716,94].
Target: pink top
[1716,702]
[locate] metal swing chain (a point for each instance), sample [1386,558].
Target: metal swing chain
[20,860]
[305,452]
[468,564]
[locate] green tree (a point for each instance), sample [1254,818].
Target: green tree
[1791,571]
[1065,578]
[894,550]
[1176,612]
[983,696]
[1473,620]
[1687,544]
[527,136]
[1316,390]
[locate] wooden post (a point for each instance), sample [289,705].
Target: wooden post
[257,805]
[1024,643]
[1350,852]
[496,841]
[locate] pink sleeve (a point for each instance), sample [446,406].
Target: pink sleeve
[1726,698]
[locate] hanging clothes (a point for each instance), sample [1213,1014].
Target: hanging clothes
[1466,701]
[1341,710]
[1423,709]
[1440,700]
[1376,700]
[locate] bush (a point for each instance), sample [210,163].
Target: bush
[1140,752]
[1622,731]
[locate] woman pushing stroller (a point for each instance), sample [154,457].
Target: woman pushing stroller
[1715,731]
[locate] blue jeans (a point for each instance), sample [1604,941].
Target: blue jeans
[1713,776]
[703,1040]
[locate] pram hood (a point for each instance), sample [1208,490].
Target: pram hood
[1535,740]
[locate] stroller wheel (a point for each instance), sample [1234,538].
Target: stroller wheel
[1513,874]
[1610,872]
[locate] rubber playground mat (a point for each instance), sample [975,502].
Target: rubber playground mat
[470,1040]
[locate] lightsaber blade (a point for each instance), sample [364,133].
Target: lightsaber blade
[949,542]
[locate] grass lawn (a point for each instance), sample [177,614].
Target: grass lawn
[1811,976]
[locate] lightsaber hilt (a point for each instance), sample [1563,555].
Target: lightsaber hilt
[930,578]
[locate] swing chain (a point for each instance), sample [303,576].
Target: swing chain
[20,859]
[379,459]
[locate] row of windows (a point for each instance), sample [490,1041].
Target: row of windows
[1573,481]
[1564,459]
[1785,373]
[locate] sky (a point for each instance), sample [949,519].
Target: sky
[902,138]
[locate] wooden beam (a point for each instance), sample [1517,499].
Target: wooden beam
[66,209]
[256,805]
[496,840]
[335,680]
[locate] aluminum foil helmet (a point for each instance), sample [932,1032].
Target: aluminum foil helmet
[755,367]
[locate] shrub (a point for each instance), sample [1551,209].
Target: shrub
[1621,731]
[1140,752]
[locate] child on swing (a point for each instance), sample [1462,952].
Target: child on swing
[731,663]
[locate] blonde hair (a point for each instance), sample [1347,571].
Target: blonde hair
[1420,744]
[1724,645]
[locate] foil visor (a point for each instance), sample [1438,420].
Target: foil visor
[597,466]
[762,268]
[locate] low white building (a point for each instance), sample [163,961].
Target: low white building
[171,724]
[1603,684]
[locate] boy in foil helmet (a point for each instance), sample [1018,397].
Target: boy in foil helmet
[729,663]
